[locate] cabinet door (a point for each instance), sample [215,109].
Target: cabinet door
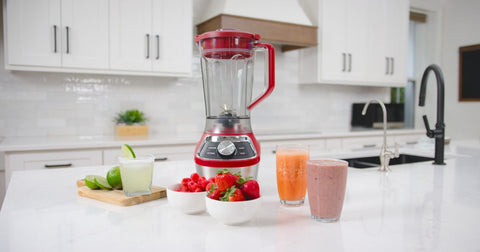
[50,160]
[31,29]
[356,38]
[172,36]
[333,39]
[85,33]
[377,42]
[131,35]
[397,39]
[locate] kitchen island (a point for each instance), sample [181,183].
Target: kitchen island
[415,207]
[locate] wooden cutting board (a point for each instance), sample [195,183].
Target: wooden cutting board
[117,197]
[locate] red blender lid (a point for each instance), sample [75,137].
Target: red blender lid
[224,44]
[225,33]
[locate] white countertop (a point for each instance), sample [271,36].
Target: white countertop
[9,144]
[416,207]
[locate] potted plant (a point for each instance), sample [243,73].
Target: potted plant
[131,123]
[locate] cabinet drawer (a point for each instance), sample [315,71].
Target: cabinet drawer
[269,147]
[51,160]
[408,139]
[363,142]
[161,153]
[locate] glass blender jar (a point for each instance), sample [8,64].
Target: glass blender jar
[227,62]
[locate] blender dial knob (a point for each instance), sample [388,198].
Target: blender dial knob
[226,148]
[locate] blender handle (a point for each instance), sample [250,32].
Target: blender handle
[271,73]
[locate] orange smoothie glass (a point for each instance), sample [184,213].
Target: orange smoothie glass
[292,173]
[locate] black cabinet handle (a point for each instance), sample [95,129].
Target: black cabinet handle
[349,62]
[67,36]
[387,70]
[158,46]
[160,158]
[147,36]
[58,165]
[55,39]
[393,65]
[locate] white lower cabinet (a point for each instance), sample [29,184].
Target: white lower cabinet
[50,160]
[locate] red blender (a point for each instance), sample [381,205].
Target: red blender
[227,60]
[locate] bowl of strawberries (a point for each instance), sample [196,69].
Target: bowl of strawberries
[231,199]
[189,195]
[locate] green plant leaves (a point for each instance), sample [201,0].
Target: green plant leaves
[130,117]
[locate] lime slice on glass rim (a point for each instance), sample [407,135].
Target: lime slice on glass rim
[127,151]
[102,183]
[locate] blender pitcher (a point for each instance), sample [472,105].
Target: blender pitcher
[227,62]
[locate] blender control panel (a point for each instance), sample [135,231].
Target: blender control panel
[223,147]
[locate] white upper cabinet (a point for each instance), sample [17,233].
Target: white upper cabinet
[172,38]
[33,28]
[141,37]
[54,33]
[151,35]
[130,32]
[85,33]
[397,40]
[360,42]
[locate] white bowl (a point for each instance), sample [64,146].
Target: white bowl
[186,202]
[233,213]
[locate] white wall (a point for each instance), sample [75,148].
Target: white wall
[54,104]
[450,24]
[460,28]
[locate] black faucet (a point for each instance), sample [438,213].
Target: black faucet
[439,131]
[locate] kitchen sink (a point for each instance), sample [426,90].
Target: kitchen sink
[373,161]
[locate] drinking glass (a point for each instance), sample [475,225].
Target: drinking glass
[326,182]
[136,174]
[291,173]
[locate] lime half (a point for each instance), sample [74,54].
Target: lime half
[114,178]
[102,183]
[127,151]
[90,182]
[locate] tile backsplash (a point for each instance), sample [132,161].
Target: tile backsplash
[62,104]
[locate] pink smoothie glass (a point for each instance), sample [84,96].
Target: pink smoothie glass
[326,184]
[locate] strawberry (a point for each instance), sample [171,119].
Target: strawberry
[211,180]
[251,189]
[233,194]
[208,186]
[225,180]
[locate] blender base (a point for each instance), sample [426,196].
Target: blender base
[247,171]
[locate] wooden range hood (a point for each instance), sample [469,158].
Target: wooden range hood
[290,36]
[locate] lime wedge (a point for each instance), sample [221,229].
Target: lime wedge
[114,178]
[102,183]
[90,182]
[127,151]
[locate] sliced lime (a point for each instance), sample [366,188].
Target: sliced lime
[114,178]
[127,151]
[102,183]
[90,182]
